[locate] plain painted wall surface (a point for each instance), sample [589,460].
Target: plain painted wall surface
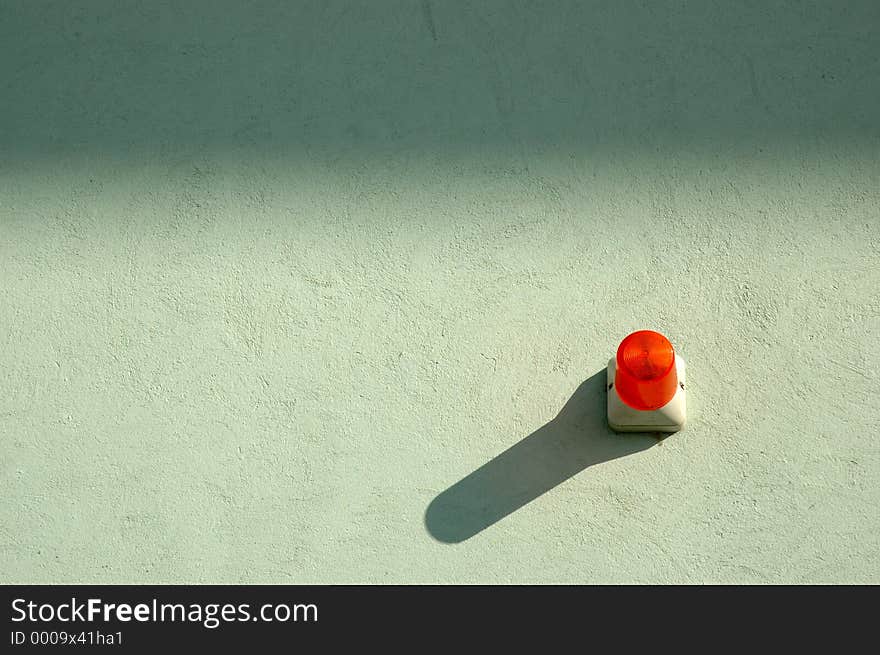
[323,291]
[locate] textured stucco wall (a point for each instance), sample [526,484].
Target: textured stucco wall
[318,291]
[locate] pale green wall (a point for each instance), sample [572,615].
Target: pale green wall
[275,275]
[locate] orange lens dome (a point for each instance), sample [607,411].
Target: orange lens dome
[646,378]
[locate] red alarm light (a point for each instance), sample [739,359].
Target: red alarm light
[646,378]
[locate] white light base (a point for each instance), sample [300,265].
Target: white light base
[669,418]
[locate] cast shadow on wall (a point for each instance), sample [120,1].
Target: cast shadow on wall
[579,437]
[332,81]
